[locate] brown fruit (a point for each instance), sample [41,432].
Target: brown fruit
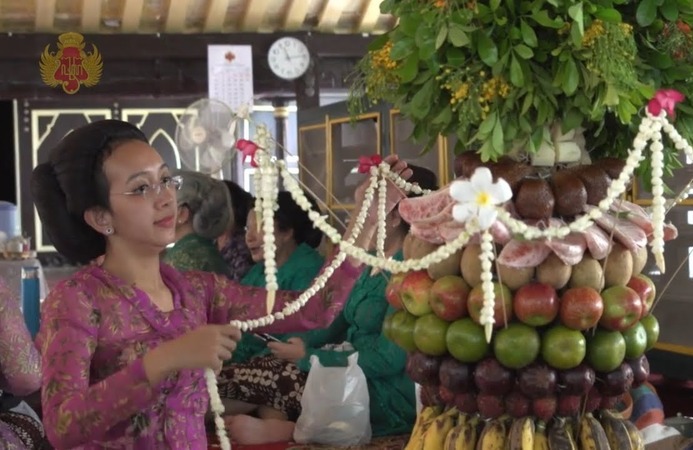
[415,248]
[466,163]
[470,266]
[587,273]
[514,277]
[639,260]
[596,182]
[569,192]
[534,199]
[612,166]
[448,266]
[554,272]
[618,266]
[511,171]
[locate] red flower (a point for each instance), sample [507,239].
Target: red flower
[665,99]
[248,149]
[366,162]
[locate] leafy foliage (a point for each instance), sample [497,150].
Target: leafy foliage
[495,72]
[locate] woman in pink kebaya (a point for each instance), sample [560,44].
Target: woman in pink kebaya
[124,344]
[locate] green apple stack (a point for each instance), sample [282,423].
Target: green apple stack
[568,340]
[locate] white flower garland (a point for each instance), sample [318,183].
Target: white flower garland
[649,130]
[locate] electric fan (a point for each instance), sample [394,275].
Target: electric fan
[206,136]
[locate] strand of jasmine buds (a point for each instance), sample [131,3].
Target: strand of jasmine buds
[441,253]
[257,182]
[217,408]
[403,184]
[657,156]
[486,318]
[382,198]
[616,188]
[269,200]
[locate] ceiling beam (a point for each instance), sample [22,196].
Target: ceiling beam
[216,13]
[91,16]
[331,14]
[254,14]
[175,19]
[45,15]
[370,13]
[132,16]
[296,15]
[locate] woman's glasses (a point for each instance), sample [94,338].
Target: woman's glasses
[153,190]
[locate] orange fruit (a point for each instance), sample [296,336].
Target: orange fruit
[636,340]
[605,350]
[429,334]
[466,341]
[563,348]
[402,330]
[517,345]
[651,325]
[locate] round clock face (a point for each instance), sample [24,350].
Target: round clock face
[288,58]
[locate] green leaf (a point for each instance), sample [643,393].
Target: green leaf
[669,10]
[571,120]
[488,52]
[575,12]
[426,41]
[378,42]
[517,78]
[542,18]
[571,77]
[646,12]
[526,104]
[608,15]
[523,51]
[442,35]
[528,34]
[494,4]
[576,35]
[497,140]
[443,118]
[487,125]
[402,48]
[408,70]
[457,36]
[409,24]
[420,104]
[455,56]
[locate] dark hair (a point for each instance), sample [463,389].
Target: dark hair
[72,181]
[290,216]
[208,201]
[241,203]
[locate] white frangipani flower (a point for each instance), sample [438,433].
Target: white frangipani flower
[478,197]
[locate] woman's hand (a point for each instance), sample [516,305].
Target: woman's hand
[293,350]
[206,346]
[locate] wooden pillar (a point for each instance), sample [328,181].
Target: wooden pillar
[308,87]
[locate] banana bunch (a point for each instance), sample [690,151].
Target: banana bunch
[464,435]
[521,435]
[592,435]
[541,440]
[437,432]
[621,433]
[494,435]
[423,421]
[560,435]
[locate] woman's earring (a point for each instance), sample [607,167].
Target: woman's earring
[109,231]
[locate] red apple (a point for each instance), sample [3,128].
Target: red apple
[517,404]
[465,402]
[544,408]
[536,304]
[449,297]
[446,395]
[581,308]
[645,287]
[502,307]
[490,406]
[392,290]
[415,292]
[622,308]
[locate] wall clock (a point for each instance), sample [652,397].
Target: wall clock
[288,58]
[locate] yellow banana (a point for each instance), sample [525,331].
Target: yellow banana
[560,437]
[423,420]
[521,436]
[636,439]
[541,441]
[592,435]
[493,436]
[453,434]
[434,437]
[466,439]
[616,433]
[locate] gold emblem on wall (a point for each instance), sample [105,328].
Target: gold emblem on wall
[71,67]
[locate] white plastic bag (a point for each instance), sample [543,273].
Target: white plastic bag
[335,406]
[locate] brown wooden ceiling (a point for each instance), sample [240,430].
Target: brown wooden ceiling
[192,16]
